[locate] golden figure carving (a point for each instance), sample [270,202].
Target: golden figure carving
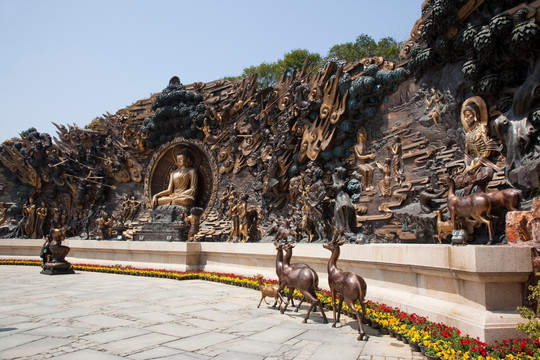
[361,155]
[29,212]
[395,153]
[234,210]
[182,184]
[105,224]
[478,145]
[433,102]
[41,213]
[243,225]
[385,185]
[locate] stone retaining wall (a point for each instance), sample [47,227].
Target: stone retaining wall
[474,288]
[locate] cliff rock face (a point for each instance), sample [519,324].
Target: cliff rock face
[356,146]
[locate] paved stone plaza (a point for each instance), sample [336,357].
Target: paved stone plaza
[104,316]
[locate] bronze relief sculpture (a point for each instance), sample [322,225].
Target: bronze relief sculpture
[414,121]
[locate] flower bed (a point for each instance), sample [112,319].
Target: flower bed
[436,340]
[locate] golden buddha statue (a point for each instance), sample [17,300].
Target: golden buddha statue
[182,187]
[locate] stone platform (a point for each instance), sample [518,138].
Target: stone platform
[474,288]
[106,316]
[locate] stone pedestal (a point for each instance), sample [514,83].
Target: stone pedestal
[167,224]
[57,268]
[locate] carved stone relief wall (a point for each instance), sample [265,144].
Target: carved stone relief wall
[360,147]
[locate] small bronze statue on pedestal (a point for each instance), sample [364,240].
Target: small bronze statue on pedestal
[53,254]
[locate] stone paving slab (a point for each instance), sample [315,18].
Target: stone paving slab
[106,316]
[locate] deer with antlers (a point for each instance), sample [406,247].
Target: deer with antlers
[304,279]
[279,266]
[345,284]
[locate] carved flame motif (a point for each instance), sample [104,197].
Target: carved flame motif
[225,158]
[317,136]
[16,162]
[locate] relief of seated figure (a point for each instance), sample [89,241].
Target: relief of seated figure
[182,187]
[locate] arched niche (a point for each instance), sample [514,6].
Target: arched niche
[163,162]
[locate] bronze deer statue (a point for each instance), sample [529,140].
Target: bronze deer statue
[444,228]
[508,199]
[268,290]
[279,266]
[477,206]
[345,284]
[304,279]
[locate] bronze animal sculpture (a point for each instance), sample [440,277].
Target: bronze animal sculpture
[268,290]
[279,266]
[444,228]
[304,279]
[477,206]
[345,285]
[508,199]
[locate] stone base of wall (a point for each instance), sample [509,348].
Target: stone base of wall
[473,288]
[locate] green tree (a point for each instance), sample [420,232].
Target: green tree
[295,59]
[266,74]
[269,73]
[95,124]
[365,46]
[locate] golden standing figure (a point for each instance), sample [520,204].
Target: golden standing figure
[182,187]
[361,155]
[395,153]
[41,213]
[29,211]
[385,185]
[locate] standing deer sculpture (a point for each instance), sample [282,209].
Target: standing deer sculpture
[444,228]
[477,206]
[304,279]
[279,266]
[268,290]
[345,284]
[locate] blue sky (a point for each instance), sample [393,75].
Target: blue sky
[68,61]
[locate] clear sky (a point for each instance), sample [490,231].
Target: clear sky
[68,61]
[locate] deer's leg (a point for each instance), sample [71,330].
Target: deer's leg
[300,303]
[313,300]
[312,297]
[360,323]
[260,301]
[278,298]
[361,331]
[334,307]
[322,311]
[481,219]
[281,287]
[340,304]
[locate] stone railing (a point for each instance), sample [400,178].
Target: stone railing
[474,288]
